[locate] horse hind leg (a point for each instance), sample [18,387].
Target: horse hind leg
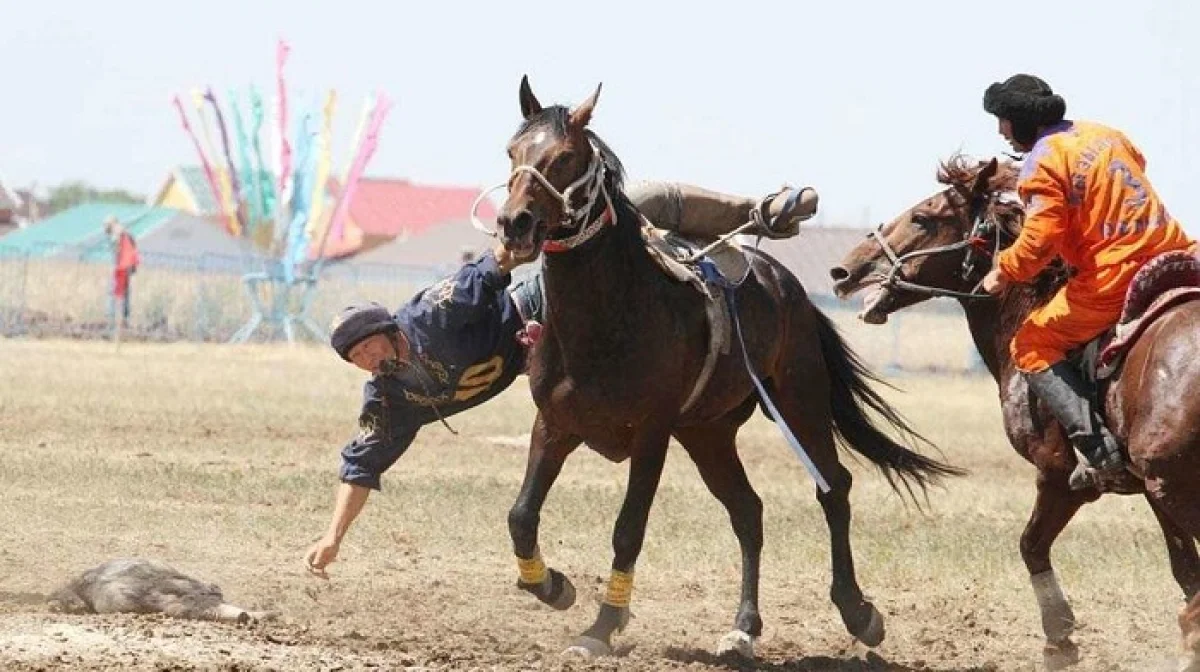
[1181,550]
[811,421]
[1185,567]
[1171,470]
[713,449]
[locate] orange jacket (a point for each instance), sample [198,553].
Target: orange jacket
[1088,200]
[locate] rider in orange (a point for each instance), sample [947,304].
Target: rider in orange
[1087,199]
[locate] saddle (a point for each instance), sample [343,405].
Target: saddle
[723,267]
[1168,280]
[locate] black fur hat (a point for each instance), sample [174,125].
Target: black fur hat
[1026,101]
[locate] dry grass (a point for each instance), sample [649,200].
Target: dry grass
[222,461]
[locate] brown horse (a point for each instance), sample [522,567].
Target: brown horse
[621,348]
[942,247]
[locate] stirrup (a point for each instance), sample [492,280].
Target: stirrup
[1085,475]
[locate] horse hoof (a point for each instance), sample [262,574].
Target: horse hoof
[556,591]
[737,642]
[1060,655]
[588,647]
[566,592]
[1058,622]
[873,634]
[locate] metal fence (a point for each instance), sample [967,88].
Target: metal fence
[205,298]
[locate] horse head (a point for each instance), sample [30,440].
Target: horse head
[942,246]
[561,179]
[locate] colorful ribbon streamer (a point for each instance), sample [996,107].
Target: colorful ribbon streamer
[208,171]
[262,173]
[249,181]
[369,142]
[323,160]
[238,222]
[284,174]
[224,204]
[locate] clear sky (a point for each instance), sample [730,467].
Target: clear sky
[859,99]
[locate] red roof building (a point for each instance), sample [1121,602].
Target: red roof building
[393,211]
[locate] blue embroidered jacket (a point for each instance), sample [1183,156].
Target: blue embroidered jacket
[462,331]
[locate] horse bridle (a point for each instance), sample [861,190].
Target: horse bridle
[975,242]
[572,217]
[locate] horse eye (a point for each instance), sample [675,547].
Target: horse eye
[922,222]
[561,161]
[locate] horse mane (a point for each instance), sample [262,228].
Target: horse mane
[959,171]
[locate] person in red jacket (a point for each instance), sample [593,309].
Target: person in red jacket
[125,263]
[1087,200]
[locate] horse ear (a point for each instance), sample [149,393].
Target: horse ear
[984,177]
[529,102]
[581,115]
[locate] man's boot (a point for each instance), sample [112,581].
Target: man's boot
[779,214]
[1062,388]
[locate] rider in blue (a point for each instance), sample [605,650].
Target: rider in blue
[462,341]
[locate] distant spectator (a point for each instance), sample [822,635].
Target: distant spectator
[125,263]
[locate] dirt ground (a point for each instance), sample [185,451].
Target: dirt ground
[222,462]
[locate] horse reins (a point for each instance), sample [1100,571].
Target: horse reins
[974,242]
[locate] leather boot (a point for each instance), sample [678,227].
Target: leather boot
[780,214]
[1062,388]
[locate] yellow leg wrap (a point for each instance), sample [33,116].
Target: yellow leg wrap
[620,589]
[532,570]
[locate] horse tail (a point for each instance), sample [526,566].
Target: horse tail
[852,396]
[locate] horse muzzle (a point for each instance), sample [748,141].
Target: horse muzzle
[522,233]
[877,305]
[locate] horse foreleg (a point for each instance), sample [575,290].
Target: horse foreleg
[811,422]
[714,451]
[1055,506]
[547,452]
[646,464]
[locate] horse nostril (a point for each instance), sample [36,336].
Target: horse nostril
[838,273]
[521,223]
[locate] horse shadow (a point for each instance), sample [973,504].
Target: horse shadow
[873,662]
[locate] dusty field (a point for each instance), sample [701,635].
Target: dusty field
[222,462]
